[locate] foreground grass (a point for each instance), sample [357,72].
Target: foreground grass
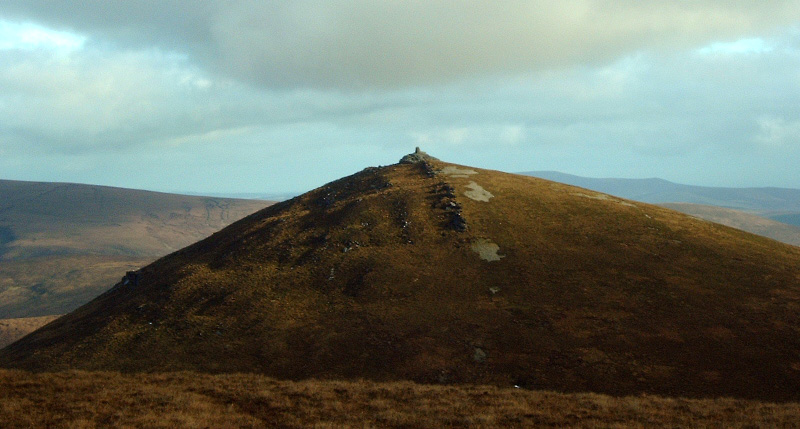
[101,399]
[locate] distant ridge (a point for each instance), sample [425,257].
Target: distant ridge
[244,195]
[443,273]
[780,204]
[62,244]
[775,230]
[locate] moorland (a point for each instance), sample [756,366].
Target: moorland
[192,400]
[433,294]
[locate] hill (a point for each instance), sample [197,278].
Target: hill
[441,273]
[779,204]
[62,244]
[741,220]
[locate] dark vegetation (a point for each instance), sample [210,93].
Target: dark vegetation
[6,236]
[368,277]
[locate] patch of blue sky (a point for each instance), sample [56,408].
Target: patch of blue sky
[752,45]
[27,36]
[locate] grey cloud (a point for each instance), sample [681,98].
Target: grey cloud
[171,24]
[367,44]
[94,101]
[256,91]
[655,112]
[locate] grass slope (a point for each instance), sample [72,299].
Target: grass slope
[168,400]
[62,244]
[371,277]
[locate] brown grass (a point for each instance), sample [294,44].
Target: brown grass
[14,329]
[364,278]
[102,399]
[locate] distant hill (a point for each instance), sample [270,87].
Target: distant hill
[62,244]
[14,329]
[442,273]
[783,232]
[247,195]
[779,204]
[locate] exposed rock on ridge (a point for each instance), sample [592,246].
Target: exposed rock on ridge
[417,157]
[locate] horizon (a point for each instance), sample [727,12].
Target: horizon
[267,195]
[244,97]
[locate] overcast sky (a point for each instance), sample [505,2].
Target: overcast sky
[283,96]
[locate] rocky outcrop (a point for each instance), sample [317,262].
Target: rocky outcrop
[417,157]
[131,278]
[445,199]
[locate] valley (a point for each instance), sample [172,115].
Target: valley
[63,244]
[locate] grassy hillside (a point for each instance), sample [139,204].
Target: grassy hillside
[450,274]
[14,329]
[168,400]
[741,220]
[62,244]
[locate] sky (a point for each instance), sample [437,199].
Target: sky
[259,96]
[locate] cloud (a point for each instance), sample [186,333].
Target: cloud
[249,94]
[97,99]
[778,131]
[512,134]
[362,44]
[90,99]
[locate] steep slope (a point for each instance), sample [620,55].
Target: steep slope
[62,244]
[442,273]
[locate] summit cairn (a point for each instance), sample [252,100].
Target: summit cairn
[417,157]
